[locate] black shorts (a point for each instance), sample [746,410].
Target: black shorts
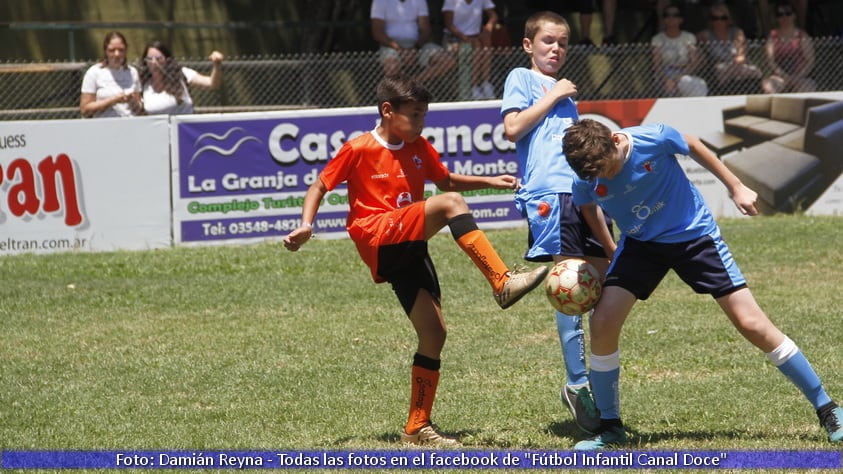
[407,266]
[705,264]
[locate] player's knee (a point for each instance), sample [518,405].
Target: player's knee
[455,202]
[433,338]
[603,326]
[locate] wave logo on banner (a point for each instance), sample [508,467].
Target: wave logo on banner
[220,138]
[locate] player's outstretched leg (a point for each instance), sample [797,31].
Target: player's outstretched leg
[790,360]
[576,393]
[508,287]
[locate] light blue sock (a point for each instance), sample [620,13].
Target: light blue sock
[795,366]
[572,339]
[605,373]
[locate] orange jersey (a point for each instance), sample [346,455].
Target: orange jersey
[383,178]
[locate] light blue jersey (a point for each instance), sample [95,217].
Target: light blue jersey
[544,167]
[643,197]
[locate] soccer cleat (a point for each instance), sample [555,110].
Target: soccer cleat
[518,285]
[831,418]
[581,405]
[610,436]
[429,435]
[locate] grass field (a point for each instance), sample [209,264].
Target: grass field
[253,347]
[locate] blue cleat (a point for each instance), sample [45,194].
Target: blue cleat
[831,418]
[612,436]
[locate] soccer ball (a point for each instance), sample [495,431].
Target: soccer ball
[573,286]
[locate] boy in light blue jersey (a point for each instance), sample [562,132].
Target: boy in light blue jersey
[633,174]
[536,110]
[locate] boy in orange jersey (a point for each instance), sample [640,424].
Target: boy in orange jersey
[390,222]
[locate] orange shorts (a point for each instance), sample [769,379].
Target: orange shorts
[403,225]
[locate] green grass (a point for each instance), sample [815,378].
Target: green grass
[253,347]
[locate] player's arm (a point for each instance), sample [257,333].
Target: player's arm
[379,34]
[593,215]
[425,31]
[89,105]
[518,123]
[312,199]
[448,20]
[214,81]
[462,182]
[743,197]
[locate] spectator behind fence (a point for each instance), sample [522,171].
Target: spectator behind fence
[725,47]
[402,29]
[464,25]
[800,7]
[745,16]
[585,9]
[675,57]
[111,88]
[165,82]
[790,55]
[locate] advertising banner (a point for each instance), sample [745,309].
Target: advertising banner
[242,177]
[84,185]
[784,147]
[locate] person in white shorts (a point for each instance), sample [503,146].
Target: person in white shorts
[402,29]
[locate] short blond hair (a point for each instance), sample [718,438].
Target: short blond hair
[536,20]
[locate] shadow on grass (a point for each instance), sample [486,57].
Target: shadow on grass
[569,430]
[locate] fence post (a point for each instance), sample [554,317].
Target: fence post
[464,60]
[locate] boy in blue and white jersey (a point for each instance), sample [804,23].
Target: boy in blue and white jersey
[633,174]
[536,110]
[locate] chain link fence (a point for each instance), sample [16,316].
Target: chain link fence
[50,90]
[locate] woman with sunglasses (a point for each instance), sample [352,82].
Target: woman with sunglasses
[725,46]
[676,58]
[165,82]
[790,55]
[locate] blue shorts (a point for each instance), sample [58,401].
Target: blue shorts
[556,227]
[705,264]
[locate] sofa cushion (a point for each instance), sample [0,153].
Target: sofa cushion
[758,105]
[779,175]
[770,129]
[788,109]
[794,140]
[740,125]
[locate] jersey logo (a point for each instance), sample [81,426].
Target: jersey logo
[404,199]
[648,166]
[601,190]
[417,161]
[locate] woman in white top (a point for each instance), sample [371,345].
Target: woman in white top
[464,24]
[165,82]
[675,57]
[111,88]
